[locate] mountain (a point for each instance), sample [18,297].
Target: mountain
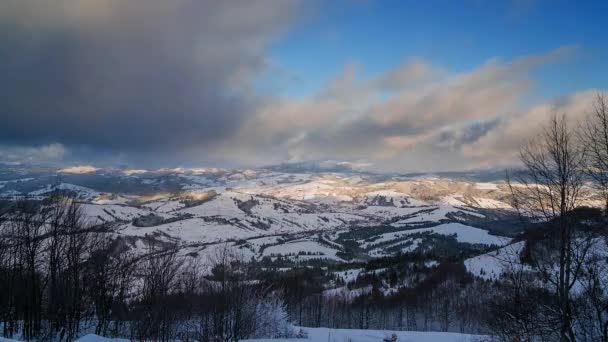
[341,242]
[290,216]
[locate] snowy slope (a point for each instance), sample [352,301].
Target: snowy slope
[99,213]
[81,192]
[302,249]
[463,233]
[493,265]
[340,335]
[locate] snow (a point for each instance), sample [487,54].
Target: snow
[475,201]
[347,294]
[410,245]
[10,194]
[436,214]
[5,182]
[466,234]
[222,205]
[256,244]
[431,263]
[349,275]
[453,200]
[463,233]
[341,335]
[164,205]
[193,230]
[100,213]
[486,186]
[255,204]
[111,199]
[336,335]
[491,203]
[95,338]
[391,211]
[310,190]
[83,192]
[318,250]
[493,265]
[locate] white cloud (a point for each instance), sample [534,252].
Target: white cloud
[79,169]
[415,117]
[501,144]
[130,172]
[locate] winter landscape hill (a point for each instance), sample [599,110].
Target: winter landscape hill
[296,216]
[421,255]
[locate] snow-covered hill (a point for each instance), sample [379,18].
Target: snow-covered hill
[268,213]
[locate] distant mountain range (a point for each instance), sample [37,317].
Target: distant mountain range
[291,211]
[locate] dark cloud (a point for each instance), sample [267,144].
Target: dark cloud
[131,76]
[455,138]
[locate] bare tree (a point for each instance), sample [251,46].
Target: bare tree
[594,134]
[549,190]
[156,317]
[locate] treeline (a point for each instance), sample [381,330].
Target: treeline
[562,293]
[61,277]
[401,297]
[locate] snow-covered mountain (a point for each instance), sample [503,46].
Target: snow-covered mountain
[271,214]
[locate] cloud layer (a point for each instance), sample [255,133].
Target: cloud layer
[416,117]
[172,83]
[117,76]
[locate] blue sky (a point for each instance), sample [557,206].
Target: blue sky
[457,35]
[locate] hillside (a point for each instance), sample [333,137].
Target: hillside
[333,216]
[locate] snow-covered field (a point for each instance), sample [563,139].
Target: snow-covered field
[338,335]
[461,232]
[464,233]
[354,335]
[302,249]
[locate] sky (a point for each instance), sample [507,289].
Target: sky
[392,86]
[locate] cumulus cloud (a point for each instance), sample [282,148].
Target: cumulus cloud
[131,172]
[132,77]
[501,144]
[416,116]
[79,169]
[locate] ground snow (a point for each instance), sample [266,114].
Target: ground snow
[355,335]
[493,265]
[486,186]
[336,335]
[463,233]
[318,250]
[95,338]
